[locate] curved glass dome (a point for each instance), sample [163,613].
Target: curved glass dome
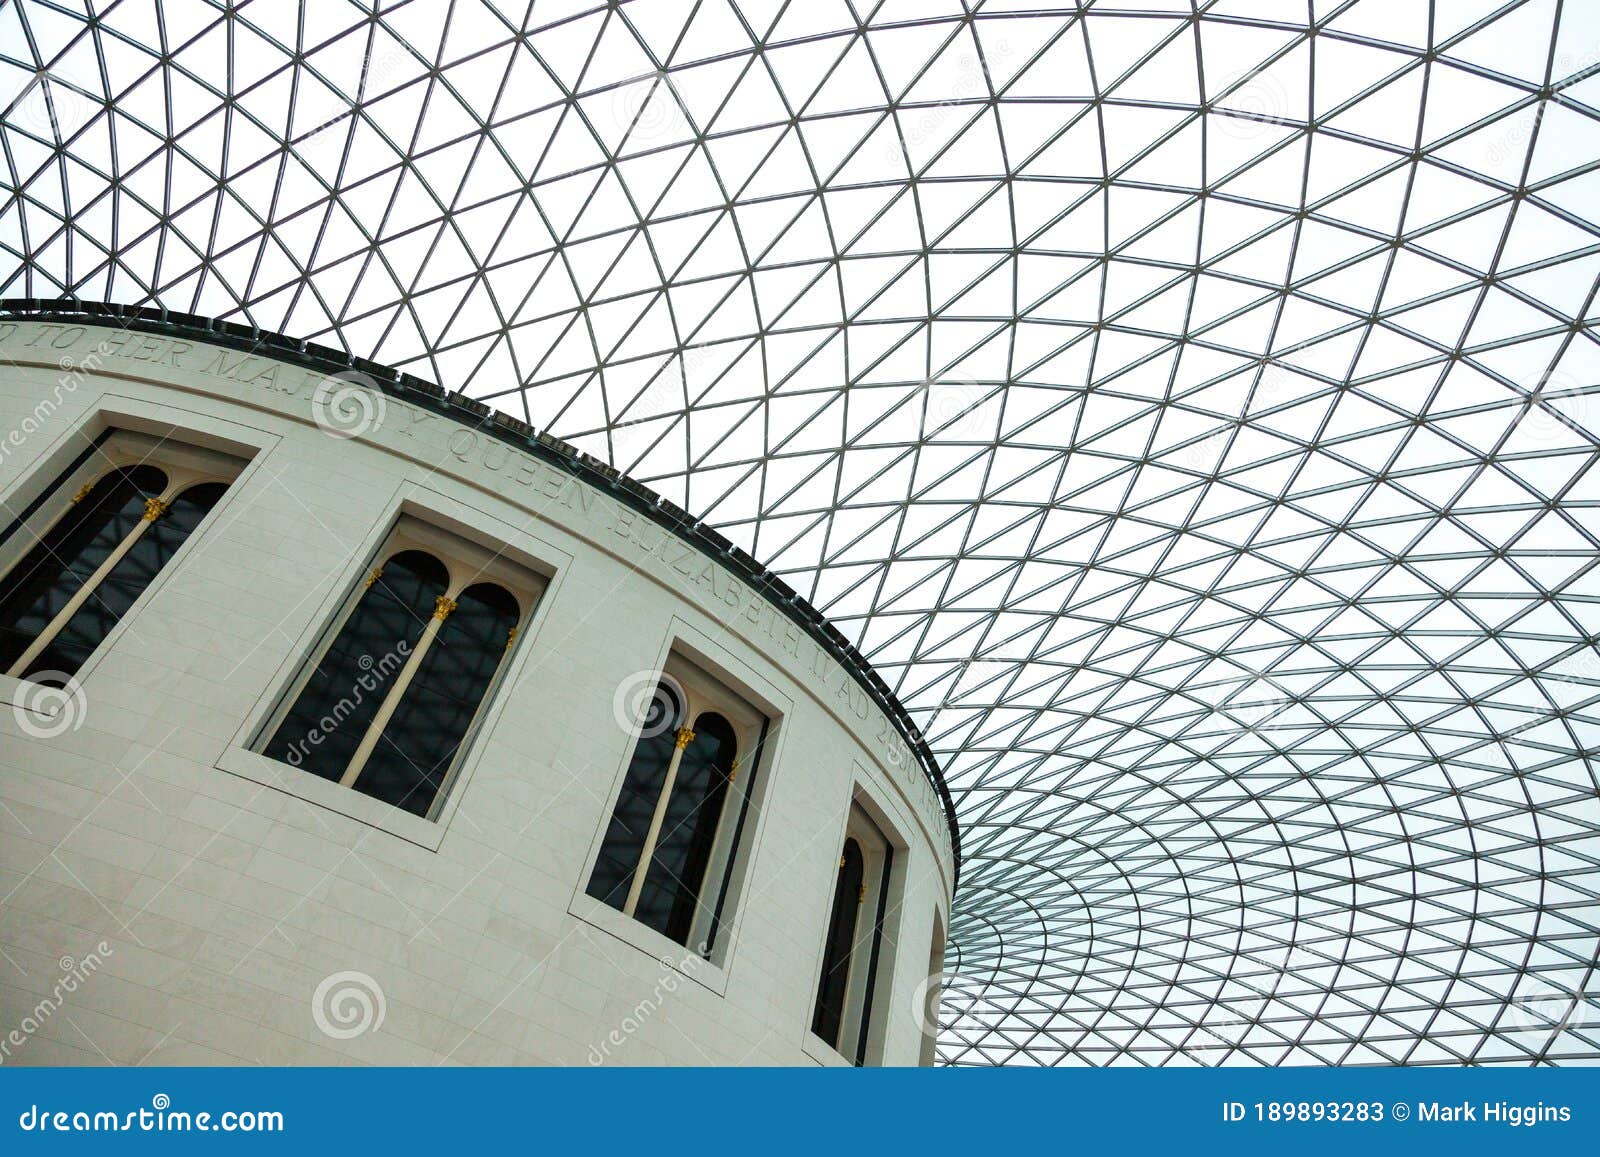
[1189,408]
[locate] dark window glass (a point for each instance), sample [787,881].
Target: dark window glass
[66,557]
[834,987]
[418,745]
[641,788]
[327,722]
[121,588]
[678,867]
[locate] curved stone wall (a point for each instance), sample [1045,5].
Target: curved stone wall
[168,894]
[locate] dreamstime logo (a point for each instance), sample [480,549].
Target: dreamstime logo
[953,407]
[373,680]
[639,1015]
[1247,110]
[647,109]
[348,405]
[1256,704]
[1540,1018]
[1557,409]
[74,974]
[47,105]
[50,704]
[348,1004]
[959,1005]
[646,703]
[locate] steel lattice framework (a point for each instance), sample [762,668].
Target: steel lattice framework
[1189,407]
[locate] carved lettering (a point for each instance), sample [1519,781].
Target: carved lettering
[414,418]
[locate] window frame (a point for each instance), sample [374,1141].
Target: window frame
[873,957]
[638,943]
[467,563]
[184,465]
[755,727]
[928,1053]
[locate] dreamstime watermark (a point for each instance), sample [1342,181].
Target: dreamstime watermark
[959,1005]
[74,372]
[1273,385]
[1558,408]
[50,704]
[673,973]
[374,678]
[348,405]
[647,110]
[1301,958]
[160,1117]
[347,1005]
[956,407]
[1256,703]
[647,703]
[1251,102]
[50,104]
[1204,455]
[74,973]
[1539,1017]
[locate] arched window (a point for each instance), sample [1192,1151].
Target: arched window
[388,705]
[838,949]
[334,710]
[109,539]
[690,812]
[415,750]
[854,938]
[149,548]
[612,879]
[668,850]
[61,564]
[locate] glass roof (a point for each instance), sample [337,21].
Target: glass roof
[1189,408]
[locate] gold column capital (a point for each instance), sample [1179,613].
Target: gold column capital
[377,573]
[83,492]
[442,606]
[685,737]
[154,508]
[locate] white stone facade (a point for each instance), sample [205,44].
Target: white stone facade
[212,906]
